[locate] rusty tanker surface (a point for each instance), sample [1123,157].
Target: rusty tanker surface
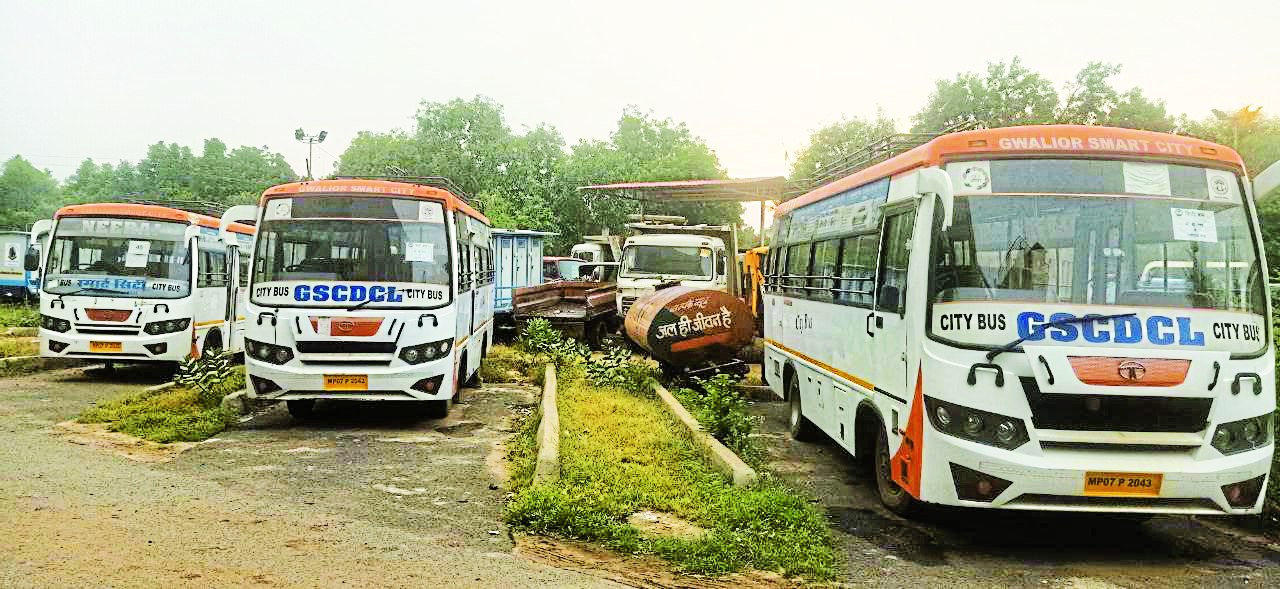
[690,328]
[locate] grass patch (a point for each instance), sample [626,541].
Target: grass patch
[19,315]
[11,347]
[508,364]
[175,415]
[622,452]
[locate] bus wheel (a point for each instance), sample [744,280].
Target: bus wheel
[212,343]
[439,409]
[301,408]
[597,333]
[801,428]
[897,499]
[472,380]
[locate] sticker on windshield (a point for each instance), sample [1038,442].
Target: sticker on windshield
[281,208]
[137,255]
[1144,178]
[1194,225]
[1222,185]
[430,212]
[419,251]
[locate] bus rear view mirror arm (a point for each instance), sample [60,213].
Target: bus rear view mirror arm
[236,214]
[1266,182]
[434,322]
[937,182]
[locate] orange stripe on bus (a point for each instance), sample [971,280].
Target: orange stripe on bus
[214,322]
[905,467]
[829,368]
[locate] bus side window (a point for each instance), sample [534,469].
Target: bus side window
[891,285]
[797,268]
[825,254]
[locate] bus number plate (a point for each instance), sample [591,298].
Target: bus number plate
[346,382]
[106,347]
[1122,484]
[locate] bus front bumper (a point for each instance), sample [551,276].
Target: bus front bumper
[429,381]
[1190,480]
[169,347]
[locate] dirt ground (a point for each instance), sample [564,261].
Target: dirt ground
[363,495]
[964,548]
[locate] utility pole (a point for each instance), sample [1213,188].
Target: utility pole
[311,141]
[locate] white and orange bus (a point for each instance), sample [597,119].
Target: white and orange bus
[992,320]
[135,282]
[366,289]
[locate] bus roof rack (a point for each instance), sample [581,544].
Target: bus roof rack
[199,207]
[433,181]
[871,154]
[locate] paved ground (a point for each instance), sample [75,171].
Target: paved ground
[961,548]
[363,495]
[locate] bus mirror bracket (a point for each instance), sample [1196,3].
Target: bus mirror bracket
[937,182]
[1266,182]
[236,214]
[191,232]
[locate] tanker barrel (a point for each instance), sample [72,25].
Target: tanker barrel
[684,326]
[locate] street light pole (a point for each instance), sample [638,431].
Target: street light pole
[311,141]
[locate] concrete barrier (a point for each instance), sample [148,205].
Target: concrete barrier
[37,363]
[547,469]
[20,331]
[722,458]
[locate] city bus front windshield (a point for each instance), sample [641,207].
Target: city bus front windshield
[1184,267]
[347,251]
[665,260]
[118,257]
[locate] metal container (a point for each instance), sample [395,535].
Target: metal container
[688,327]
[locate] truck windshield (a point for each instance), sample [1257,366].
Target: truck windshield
[668,260]
[338,255]
[124,257]
[1171,255]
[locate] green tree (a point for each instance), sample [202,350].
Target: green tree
[1009,94]
[836,141]
[27,194]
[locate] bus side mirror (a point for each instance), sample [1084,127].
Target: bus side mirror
[937,182]
[1266,182]
[720,265]
[31,262]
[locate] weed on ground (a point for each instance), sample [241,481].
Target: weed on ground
[19,315]
[180,414]
[12,347]
[622,452]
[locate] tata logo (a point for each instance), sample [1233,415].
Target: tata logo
[1132,370]
[345,326]
[1159,330]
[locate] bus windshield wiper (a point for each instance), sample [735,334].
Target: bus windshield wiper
[94,288]
[366,301]
[1012,346]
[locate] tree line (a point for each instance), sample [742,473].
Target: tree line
[529,178]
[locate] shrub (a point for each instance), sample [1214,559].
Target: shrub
[722,411]
[616,368]
[548,345]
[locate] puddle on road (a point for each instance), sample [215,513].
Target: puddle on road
[900,540]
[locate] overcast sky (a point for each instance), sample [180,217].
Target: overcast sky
[105,79]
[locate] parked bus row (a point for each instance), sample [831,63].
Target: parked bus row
[1051,318]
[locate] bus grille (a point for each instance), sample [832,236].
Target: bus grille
[626,304]
[342,347]
[1115,413]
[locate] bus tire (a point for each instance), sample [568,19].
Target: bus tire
[212,342]
[301,408]
[472,380]
[439,409]
[801,428]
[894,497]
[596,333]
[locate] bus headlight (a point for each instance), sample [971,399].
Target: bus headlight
[976,425]
[168,326]
[267,352]
[55,324]
[1243,435]
[426,352]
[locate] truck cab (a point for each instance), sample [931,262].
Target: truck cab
[697,261]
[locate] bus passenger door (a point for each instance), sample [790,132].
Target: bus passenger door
[886,323]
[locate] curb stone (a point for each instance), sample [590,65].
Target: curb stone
[236,402]
[547,469]
[37,362]
[722,458]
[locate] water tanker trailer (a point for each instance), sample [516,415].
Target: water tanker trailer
[691,331]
